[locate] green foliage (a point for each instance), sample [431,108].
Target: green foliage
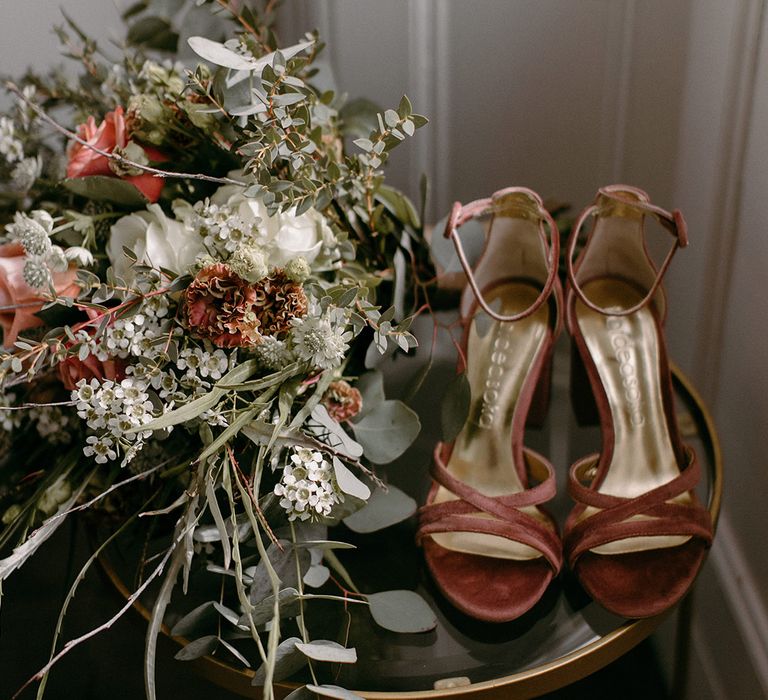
[383,509]
[401,611]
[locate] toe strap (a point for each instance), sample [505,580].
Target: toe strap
[647,515]
[519,528]
[473,511]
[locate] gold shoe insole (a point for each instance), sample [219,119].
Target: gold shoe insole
[625,350]
[499,357]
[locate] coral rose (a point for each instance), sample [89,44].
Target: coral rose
[18,301]
[110,134]
[225,309]
[73,369]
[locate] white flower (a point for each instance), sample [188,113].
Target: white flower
[10,146]
[101,448]
[53,425]
[306,486]
[155,239]
[30,228]
[56,494]
[36,274]
[320,342]
[284,235]
[81,256]
[272,353]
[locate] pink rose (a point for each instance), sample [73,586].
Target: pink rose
[73,369]
[111,133]
[18,301]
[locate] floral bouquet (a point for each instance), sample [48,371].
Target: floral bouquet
[200,262]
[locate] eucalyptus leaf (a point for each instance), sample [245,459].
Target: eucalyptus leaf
[227,613]
[399,205]
[195,407]
[194,620]
[199,647]
[371,387]
[330,432]
[284,563]
[348,482]
[401,611]
[218,54]
[317,576]
[154,33]
[326,650]
[235,652]
[213,505]
[288,600]
[325,544]
[384,508]
[333,691]
[104,188]
[455,407]
[359,117]
[387,431]
[288,660]
[25,550]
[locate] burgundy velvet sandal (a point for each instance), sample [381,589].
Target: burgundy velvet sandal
[638,535]
[490,547]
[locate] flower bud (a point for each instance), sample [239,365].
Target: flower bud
[249,263]
[297,269]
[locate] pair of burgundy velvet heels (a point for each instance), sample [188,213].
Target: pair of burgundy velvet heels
[637,535]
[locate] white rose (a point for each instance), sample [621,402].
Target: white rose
[284,235]
[155,239]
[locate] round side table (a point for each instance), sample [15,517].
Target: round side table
[563,639]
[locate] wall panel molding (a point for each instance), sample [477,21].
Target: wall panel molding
[738,103]
[616,79]
[429,88]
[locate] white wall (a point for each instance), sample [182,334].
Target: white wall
[26,30]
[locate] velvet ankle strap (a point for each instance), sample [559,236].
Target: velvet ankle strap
[673,222]
[460,214]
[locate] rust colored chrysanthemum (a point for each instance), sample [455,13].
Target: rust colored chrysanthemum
[227,310]
[278,300]
[342,401]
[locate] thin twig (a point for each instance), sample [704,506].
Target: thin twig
[25,406]
[106,625]
[72,136]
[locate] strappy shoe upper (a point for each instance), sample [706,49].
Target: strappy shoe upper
[466,513]
[615,519]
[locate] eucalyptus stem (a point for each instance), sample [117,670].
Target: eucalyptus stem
[300,587]
[274,632]
[242,595]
